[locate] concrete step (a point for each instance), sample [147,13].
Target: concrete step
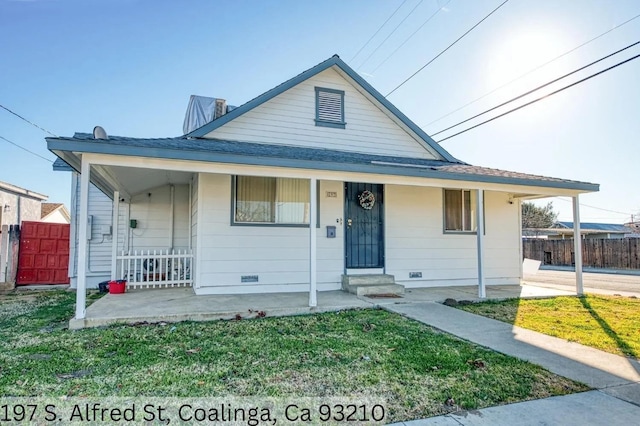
[376,289]
[368,279]
[371,284]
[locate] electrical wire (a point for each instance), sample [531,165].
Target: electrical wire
[24,119]
[411,36]
[531,71]
[378,30]
[25,149]
[390,34]
[447,48]
[540,98]
[536,89]
[594,207]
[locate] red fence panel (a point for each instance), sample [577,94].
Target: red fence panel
[44,253]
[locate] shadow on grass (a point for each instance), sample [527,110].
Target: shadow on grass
[622,345]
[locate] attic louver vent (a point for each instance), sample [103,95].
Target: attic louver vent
[330,108]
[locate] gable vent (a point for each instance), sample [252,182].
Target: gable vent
[329,107]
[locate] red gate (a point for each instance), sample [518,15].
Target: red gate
[44,253]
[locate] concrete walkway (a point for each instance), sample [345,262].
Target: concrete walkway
[182,304]
[617,378]
[579,409]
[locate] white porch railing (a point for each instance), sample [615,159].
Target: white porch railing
[155,268]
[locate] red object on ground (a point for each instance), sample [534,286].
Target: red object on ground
[117,287]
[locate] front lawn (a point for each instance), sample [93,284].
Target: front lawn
[419,372]
[608,323]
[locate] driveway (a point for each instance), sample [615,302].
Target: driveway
[626,285]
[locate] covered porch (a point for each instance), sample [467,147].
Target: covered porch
[129,175]
[181,304]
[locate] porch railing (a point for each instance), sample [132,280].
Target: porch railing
[155,268]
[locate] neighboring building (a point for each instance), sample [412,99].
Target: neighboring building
[54,213]
[18,204]
[564,230]
[317,179]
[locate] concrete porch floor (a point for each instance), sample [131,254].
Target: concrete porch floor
[181,304]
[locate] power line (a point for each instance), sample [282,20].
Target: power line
[391,33]
[411,36]
[447,48]
[540,98]
[24,119]
[537,88]
[531,70]
[25,149]
[378,30]
[594,207]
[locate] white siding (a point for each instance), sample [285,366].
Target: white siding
[415,241]
[152,211]
[278,255]
[194,211]
[99,246]
[289,119]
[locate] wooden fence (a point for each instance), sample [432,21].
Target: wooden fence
[9,243]
[596,253]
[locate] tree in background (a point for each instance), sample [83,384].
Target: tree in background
[536,217]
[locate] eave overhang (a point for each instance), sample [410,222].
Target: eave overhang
[70,150]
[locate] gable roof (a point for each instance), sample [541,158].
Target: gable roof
[237,152]
[331,62]
[47,208]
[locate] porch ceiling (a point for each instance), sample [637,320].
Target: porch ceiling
[136,181]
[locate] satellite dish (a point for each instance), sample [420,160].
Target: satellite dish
[99,133]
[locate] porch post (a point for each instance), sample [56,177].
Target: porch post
[81,290]
[480,240]
[577,245]
[114,235]
[313,236]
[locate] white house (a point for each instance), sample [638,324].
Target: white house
[317,179]
[54,213]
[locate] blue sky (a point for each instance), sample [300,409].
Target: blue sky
[131,65]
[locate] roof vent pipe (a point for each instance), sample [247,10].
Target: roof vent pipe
[221,108]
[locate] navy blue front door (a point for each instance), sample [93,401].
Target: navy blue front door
[364,230]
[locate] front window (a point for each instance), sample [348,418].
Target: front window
[271,200]
[460,210]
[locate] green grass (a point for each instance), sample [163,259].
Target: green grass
[608,323]
[366,352]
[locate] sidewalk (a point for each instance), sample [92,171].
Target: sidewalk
[616,378]
[588,269]
[578,409]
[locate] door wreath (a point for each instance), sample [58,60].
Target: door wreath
[367,200]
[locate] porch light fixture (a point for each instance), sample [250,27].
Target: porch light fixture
[6,208]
